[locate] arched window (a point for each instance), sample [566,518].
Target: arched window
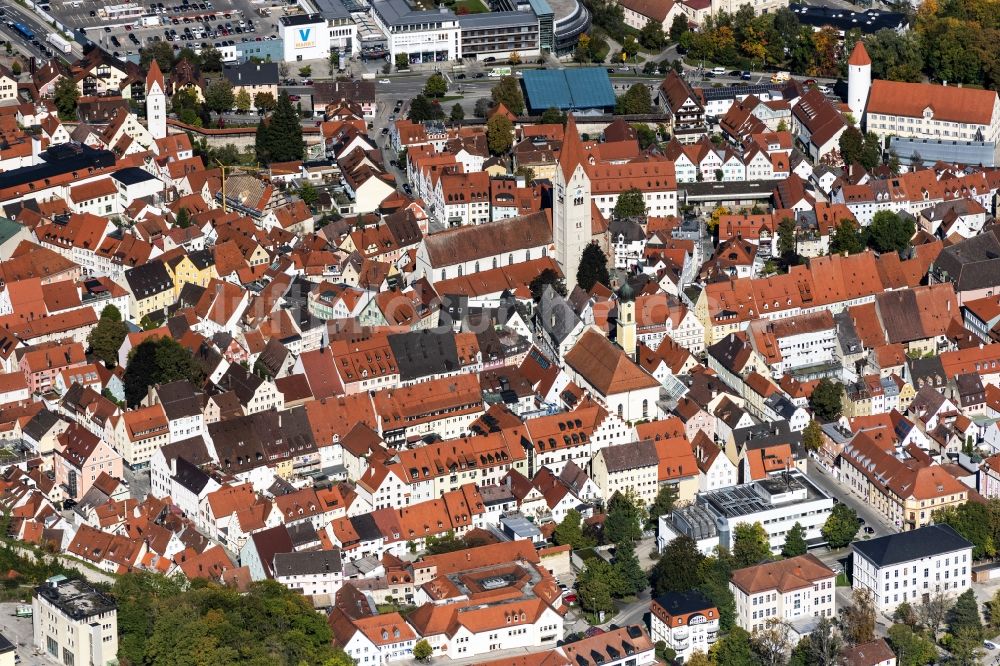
[621,411]
[645,408]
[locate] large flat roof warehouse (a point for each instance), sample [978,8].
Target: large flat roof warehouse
[580,89]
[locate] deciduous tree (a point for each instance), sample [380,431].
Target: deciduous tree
[750,545]
[630,204]
[508,92]
[219,95]
[678,569]
[499,134]
[626,516]
[841,526]
[825,400]
[795,542]
[857,621]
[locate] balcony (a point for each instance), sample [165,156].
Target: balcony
[681,634]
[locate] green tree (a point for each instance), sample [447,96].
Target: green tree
[219,95]
[734,649]
[821,648]
[825,400]
[964,615]
[911,648]
[159,51]
[678,27]
[242,101]
[543,279]
[308,193]
[402,62]
[264,102]
[871,151]
[787,242]
[481,108]
[678,569]
[306,72]
[628,568]
[423,109]
[499,134]
[630,204]
[594,586]
[593,267]
[630,46]
[636,100]
[15,68]
[553,116]
[279,137]
[750,545]
[651,36]
[847,238]
[66,95]
[770,643]
[457,112]
[795,542]
[183,218]
[508,92]
[973,521]
[626,516]
[812,436]
[966,648]
[890,232]
[841,526]
[851,144]
[663,505]
[645,135]
[107,337]
[715,573]
[436,86]
[161,624]
[157,361]
[422,650]
[569,531]
[211,60]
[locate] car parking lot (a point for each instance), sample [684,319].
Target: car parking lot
[183,23]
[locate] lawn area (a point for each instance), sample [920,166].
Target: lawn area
[474,6]
[842,580]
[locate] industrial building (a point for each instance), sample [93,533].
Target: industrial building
[582,90]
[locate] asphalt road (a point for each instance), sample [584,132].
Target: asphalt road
[16,14]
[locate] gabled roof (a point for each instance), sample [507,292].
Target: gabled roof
[606,367]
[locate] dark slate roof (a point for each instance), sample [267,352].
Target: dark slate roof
[179,399]
[252,74]
[193,450]
[682,603]
[973,263]
[190,477]
[202,259]
[40,424]
[148,279]
[366,528]
[307,563]
[555,315]
[424,353]
[132,176]
[915,544]
[630,456]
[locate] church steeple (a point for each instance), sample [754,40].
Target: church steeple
[572,228]
[156,102]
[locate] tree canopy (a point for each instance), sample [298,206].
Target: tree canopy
[750,545]
[625,519]
[636,100]
[279,136]
[161,623]
[890,232]
[630,204]
[795,542]
[593,267]
[508,92]
[219,96]
[66,95]
[499,134]
[107,337]
[841,526]
[825,400]
[436,86]
[157,361]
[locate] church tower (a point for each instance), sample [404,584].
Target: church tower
[859,81]
[156,102]
[571,225]
[625,331]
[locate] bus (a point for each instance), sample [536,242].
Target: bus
[500,71]
[24,31]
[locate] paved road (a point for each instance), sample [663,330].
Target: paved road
[818,475]
[18,630]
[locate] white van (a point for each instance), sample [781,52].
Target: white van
[718,71]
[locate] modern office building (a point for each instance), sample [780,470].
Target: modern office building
[498,34]
[73,623]
[423,35]
[777,503]
[305,37]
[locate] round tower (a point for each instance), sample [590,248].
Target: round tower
[859,81]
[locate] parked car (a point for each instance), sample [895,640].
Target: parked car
[384,81]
